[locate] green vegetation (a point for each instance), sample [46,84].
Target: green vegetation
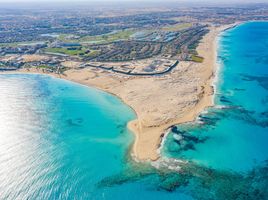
[79,51]
[67,51]
[177,27]
[43,66]
[120,35]
[198,59]
[64,37]
[93,53]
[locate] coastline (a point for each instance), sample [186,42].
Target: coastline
[208,96]
[154,115]
[213,80]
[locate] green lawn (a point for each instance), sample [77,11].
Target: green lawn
[43,66]
[66,51]
[177,27]
[76,52]
[93,53]
[197,58]
[120,35]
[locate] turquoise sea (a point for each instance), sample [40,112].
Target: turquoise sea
[61,140]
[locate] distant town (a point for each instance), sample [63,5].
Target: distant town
[130,42]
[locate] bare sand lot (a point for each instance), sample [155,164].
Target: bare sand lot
[149,65]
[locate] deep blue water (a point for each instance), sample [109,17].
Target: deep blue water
[60,140]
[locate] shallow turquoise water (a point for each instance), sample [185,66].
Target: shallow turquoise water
[60,140]
[56,137]
[234,137]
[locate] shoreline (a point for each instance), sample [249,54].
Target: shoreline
[152,124]
[205,102]
[214,81]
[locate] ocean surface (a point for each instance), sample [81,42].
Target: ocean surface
[233,135]
[61,140]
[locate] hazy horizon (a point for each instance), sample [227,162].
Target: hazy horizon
[137,4]
[133,1]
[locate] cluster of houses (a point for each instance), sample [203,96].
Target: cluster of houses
[21,49]
[17,62]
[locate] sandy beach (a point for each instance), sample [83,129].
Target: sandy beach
[159,102]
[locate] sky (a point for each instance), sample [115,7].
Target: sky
[197,1]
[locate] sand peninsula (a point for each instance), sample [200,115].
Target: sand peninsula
[159,101]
